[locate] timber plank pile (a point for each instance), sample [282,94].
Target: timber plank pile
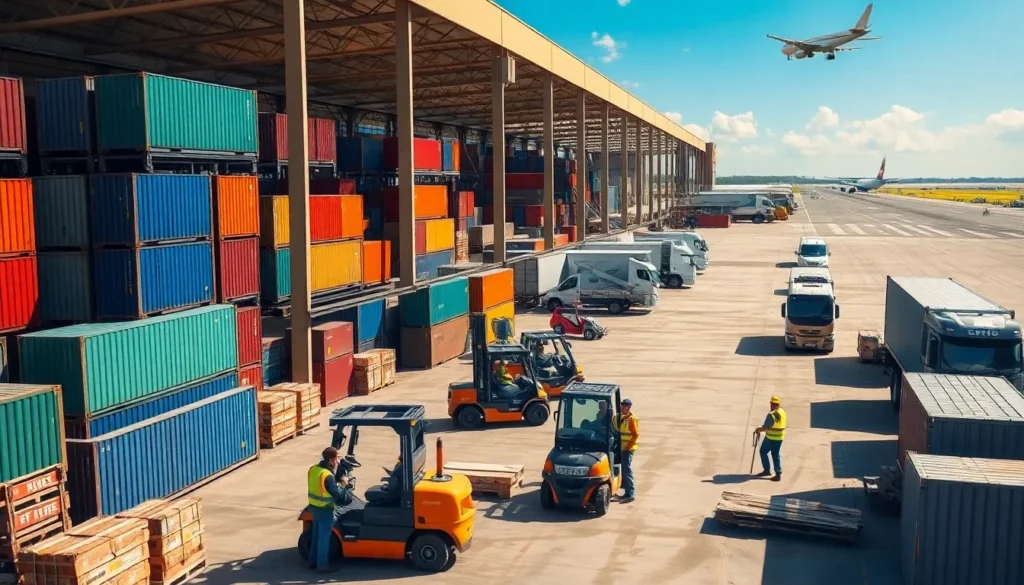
[32,509]
[106,550]
[307,403]
[789,515]
[176,548]
[278,414]
[374,370]
[503,481]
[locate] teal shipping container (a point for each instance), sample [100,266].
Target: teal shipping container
[65,287]
[145,112]
[31,430]
[61,212]
[275,274]
[435,304]
[103,366]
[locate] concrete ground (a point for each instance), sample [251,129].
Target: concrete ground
[700,371]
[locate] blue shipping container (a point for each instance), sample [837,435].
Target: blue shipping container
[435,304]
[65,287]
[276,362]
[138,282]
[428,264]
[378,343]
[519,215]
[367,319]
[87,428]
[360,154]
[65,115]
[163,456]
[132,209]
[447,155]
[61,212]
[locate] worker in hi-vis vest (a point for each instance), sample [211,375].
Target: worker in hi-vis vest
[629,436]
[323,492]
[774,429]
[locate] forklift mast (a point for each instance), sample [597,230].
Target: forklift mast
[478,337]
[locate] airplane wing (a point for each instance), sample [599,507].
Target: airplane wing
[870,39]
[798,44]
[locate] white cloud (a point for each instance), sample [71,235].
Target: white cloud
[901,129]
[823,118]
[630,84]
[608,44]
[732,128]
[698,131]
[757,149]
[674,116]
[806,145]
[623,2]
[1008,119]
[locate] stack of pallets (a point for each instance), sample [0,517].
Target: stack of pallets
[789,515]
[278,417]
[102,551]
[32,509]
[503,481]
[374,370]
[176,549]
[307,403]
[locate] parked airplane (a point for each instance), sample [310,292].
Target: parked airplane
[853,185]
[828,44]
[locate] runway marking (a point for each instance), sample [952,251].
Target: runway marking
[1014,234]
[836,229]
[940,232]
[914,229]
[895,229]
[856,229]
[979,234]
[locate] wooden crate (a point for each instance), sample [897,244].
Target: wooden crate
[373,370]
[789,515]
[307,397]
[195,568]
[98,551]
[278,414]
[32,509]
[176,535]
[504,481]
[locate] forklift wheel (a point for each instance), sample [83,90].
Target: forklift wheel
[536,414]
[333,552]
[431,553]
[589,335]
[602,499]
[546,500]
[469,417]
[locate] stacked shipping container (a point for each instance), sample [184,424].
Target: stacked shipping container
[493,294]
[435,323]
[332,349]
[273,139]
[435,231]
[13,135]
[19,280]
[65,248]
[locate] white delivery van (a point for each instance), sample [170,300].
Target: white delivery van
[676,262]
[812,252]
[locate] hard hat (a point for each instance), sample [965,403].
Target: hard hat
[776,400]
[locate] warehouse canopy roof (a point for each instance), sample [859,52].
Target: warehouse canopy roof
[350,55]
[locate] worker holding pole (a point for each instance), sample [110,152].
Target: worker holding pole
[774,429]
[629,435]
[323,492]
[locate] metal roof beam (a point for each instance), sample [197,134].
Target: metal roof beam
[111,13]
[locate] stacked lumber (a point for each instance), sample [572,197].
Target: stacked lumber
[789,515]
[32,509]
[374,370]
[176,549]
[104,550]
[307,403]
[461,247]
[278,417]
[503,481]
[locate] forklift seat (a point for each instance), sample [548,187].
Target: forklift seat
[380,494]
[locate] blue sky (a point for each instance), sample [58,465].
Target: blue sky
[942,94]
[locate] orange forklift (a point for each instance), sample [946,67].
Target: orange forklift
[504,386]
[555,369]
[423,516]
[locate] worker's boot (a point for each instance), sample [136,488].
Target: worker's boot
[764,473]
[777,477]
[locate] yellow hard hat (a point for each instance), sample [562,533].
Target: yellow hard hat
[776,400]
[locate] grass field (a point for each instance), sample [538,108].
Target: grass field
[964,195]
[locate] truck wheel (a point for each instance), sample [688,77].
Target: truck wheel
[546,500]
[895,388]
[615,307]
[303,544]
[602,499]
[431,553]
[674,281]
[554,304]
[759,218]
[536,414]
[469,417]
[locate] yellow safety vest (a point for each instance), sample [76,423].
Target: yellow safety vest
[503,376]
[625,433]
[778,431]
[316,481]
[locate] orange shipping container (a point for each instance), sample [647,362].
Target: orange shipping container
[561,240]
[17,217]
[376,262]
[430,201]
[456,157]
[440,235]
[352,216]
[491,288]
[238,209]
[274,228]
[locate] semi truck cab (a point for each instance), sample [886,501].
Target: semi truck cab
[810,312]
[975,344]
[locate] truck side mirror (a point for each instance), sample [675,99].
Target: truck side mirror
[557,412]
[783,310]
[837,311]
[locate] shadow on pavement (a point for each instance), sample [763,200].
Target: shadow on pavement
[283,566]
[732,478]
[865,416]
[525,507]
[761,346]
[849,372]
[781,292]
[855,459]
[785,264]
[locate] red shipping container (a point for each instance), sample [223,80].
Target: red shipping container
[462,224]
[335,379]
[250,336]
[460,204]
[273,138]
[325,218]
[238,269]
[535,215]
[331,340]
[426,154]
[332,186]
[324,145]
[488,213]
[251,376]
[430,201]
[524,180]
[17,217]
[570,231]
[714,220]
[13,137]
[19,292]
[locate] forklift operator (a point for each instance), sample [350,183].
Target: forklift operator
[507,386]
[323,493]
[602,420]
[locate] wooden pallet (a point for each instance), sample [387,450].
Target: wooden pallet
[269,443]
[789,515]
[505,481]
[193,570]
[886,488]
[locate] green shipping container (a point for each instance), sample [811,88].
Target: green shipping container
[275,274]
[142,112]
[31,430]
[103,366]
[435,304]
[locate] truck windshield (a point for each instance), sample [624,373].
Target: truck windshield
[812,250]
[809,310]
[981,355]
[584,419]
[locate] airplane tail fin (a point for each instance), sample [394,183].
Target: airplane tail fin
[881,171]
[862,24]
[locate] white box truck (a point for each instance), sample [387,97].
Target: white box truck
[536,275]
[615,279]
[697,244]
[756,207]
[676,263]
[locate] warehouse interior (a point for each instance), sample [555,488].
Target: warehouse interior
[460,69]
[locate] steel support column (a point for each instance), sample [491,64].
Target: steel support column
[581,166]
[298,186]
[606,198]
[651,145]
[498,151]
[549,161]
[406,126]
[639,170]
[624,171]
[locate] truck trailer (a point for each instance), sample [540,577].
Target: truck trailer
[756,207]
[697,244]
[675,262]
[615,279]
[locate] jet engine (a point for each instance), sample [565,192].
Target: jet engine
[801,55]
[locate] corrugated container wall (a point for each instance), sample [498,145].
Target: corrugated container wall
[376,262]
[332,265]
[250,335]
[17,218]
[4,360]
[491,288]
[61,212]
[275,274]
[334,377]
[273,130]
[204,447]
[325,218]
[427,265]
[426,347]
[238,263]
[142,111]
[88,428]
[13,137]
[237,202]
[360,154]
[19,293]
[102,366]
[64,115]
[332,339]
[435,304]
[367,318]
[322,132]
[251,376]
[138,282]
[440,235]
[960,521]
[65,287]
[274,228]
[131,209]
[31,429]
[430,201]
[426,154]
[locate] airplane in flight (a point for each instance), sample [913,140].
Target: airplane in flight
[828,44]
[854,185]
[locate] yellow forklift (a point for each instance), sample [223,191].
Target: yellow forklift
[504,386]
[584,469]
[555,369]
[423,516]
